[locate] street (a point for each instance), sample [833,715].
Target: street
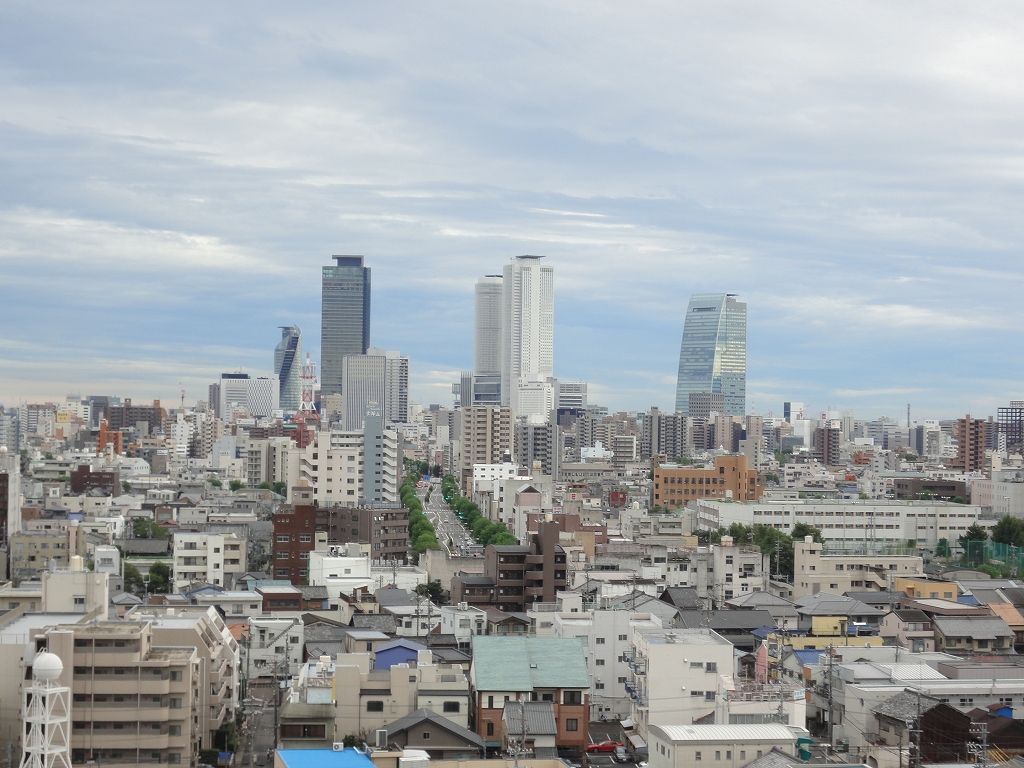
[447,525]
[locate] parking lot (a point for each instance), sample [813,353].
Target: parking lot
[601,731]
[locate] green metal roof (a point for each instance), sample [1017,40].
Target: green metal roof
[525,663]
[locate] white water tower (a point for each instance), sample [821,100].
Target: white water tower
[46,711]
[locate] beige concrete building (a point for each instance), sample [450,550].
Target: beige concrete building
[33,553]
[217,650]
[215,558]
[134,702]
[486,438]
[815,571]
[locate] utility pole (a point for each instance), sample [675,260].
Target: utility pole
[915,736]
[980,731]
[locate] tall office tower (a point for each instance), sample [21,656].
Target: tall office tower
[485,382]
[713,355]
[792,411]
[345,318]
[379,377]
[527,323]
[288,367]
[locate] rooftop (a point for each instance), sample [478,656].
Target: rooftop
[977,627]
[725,733]
[323,758]
[525,663]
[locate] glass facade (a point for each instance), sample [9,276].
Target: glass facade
[713,354]
[288,367]
[345,318]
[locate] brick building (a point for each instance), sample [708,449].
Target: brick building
[674,486]
[85,479]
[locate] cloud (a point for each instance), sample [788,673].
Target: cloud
[174,180]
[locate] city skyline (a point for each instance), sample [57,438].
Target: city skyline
[864,262]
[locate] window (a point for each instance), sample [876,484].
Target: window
[599,641]
[490,728]
[711,666]
[743,754]
[375,706]
[174,730]
[426,735]
[622,637]
[451,706]
[599,686]
[622,679]
[718,754]
[572,724]
[175,703]
[572,697]
[490,702]
[599,662]
[176,675]
[696,755]
[174,758]
[728,754]
[709,696]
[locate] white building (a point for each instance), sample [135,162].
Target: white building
[572,394]
[527,323]
[275,646]
[728,746]
[815,571]
[342,569]
[344,466]
[211,557]
[463,621]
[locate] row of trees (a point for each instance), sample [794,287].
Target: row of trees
[423,468]
[422,535]
[484,531]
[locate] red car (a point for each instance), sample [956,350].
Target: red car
[604,746]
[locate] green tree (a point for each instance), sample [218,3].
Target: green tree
[350,740]
[942,548]
[215,482]
[132,578]
[126,486]
[863,496]
[265,486]
[959,500]
[281,488]
[800,530]
[159,578]
[741,534]
[236,485]
[778,546]
[1009,530]
[432,590]
[925,496]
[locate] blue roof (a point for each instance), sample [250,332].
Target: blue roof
[968,600]
[808,657]
[324,758]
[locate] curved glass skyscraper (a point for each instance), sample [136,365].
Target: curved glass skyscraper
[288,366]
[713,355]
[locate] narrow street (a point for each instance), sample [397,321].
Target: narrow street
[447,524]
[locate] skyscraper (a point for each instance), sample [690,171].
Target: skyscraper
[527,323]
[345,318]
[713,354]
[379,378]
[288,366]
[487,326]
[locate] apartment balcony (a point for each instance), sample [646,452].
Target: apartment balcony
[535,559]
[154,686]
[532,592]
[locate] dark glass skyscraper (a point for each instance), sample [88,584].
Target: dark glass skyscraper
[344,319]
[713,355]
[288,367]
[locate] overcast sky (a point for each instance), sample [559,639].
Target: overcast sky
[172,178]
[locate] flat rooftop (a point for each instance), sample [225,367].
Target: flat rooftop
[699,636]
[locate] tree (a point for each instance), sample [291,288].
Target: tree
[942,548]
[1009,530]
[778,546]
[236,485]
[126,486]
[350,740]
[159,578]
[741,534]
[281,488]
[925,496]
[959,500]
[132,578]
[215,482]
[800,530]
[863,496]
[265,485]
[432,589]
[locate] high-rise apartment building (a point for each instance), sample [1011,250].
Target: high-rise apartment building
[380,377]
[343,466]
[971,437]
[345,318]
[486,437]
[541,443]
[527,324]
[713,353]
[288,367]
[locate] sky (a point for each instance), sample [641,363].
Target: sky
[172,177]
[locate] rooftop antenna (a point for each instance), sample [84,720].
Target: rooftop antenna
[182,397]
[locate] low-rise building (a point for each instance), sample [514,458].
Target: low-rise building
[211,557]
[972,634]
[531,669]
[910,628]
[730,746]
[817,569]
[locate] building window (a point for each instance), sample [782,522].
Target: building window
[451,706]
[175,703]
[572,724]
[696,756]
[718,754]
[176,675]
[375,706]
[490,729]
[599,641]
[572,697]
[599,662]
[599,686]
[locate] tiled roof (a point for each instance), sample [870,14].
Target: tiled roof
[539,718]
[977,627]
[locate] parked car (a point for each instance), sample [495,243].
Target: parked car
[604,746]
[621,755]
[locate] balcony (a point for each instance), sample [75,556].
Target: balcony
[534,591]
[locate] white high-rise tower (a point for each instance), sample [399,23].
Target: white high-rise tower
[527,325]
